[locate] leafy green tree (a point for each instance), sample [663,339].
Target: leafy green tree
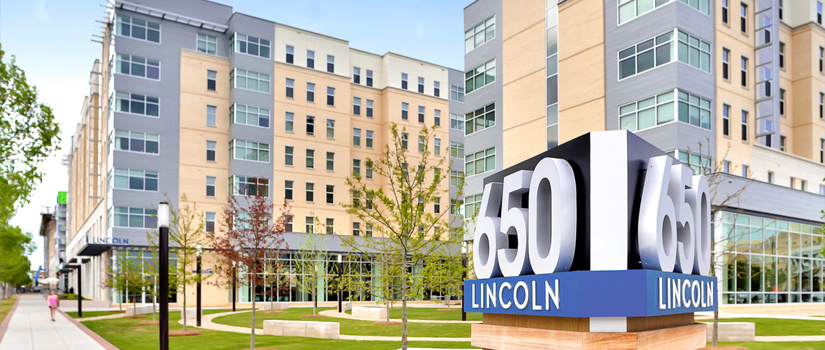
[406,227]
[15,245]
[28,134]
[309,263]
[127,277]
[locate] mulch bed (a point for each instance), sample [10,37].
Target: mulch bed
[148,323]
[181,333]
[273,312]
[313,316]
[136,316]
[385,323]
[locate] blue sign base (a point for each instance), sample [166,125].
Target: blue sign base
[625,293]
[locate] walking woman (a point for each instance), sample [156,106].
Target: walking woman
[54,303]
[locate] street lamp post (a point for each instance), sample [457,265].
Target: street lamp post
[234,287]
[340,291]
[463,276]
[163,232]
[198,288]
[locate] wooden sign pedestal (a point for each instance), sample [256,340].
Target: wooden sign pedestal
[672,332]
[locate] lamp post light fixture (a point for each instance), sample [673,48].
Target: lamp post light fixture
[340,291]
[198,288]
[234,286]
[463,276]
[163,233]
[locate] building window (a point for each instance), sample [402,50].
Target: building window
[726,120]
[207,44]
[821,105]
[368,230]
[405,110]
[660,50]
[310,125]
[331,128]
[310,192]
[421,145]
[310,92]
[480,162]
[436,205]
[369,170]
[132,179]
[135,217]
[210,115]
[290,88]
[822,190]
[330,161]
[356,228]
[310,159]
[782,140]
[420,85]
[437,146]
[290,54]
[456,150]
[421,111]
[369,77]
[330,96]
[310,59]
[803,185]
[330,194]
[210,150]
[134,141]
[356,137]
[137,104]
[138,66]
[480,76]
[404,81]
[743,18]
[456,121]
[745,169]
[744,71]
[288,189]
[210,222]
[480,34]
[289,155]
[770,177]
[822,150]
[250,115]
[792,182]
[405,137]
[437,117]
[211,80]
[249,80]
[310,224]
[744,125]
[249,150]
[781,55]
[330,64]
[138,28]
[251,45]
[356,75]
[356,105]
[782,102]
[781,9]
[289,122]
[471,205]
[369,138]
[821,58]
[630,9]
[456,93]
[660,109]
[697,162]
[356,167]
[437,88]
[210,186]
[480,119]
[726,166]
[330,226]
[819,12]
[726,64]
[725,11]
[370,104]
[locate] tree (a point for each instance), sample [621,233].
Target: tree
[251,235]
[406,230]
[309,263]
[15,245]
[28,134]
[126,277]
[444,270]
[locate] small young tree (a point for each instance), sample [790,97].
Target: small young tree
[251,234]
[444,270]
[400,212]
[126,277]
[309,262]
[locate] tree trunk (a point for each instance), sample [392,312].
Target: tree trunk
[715,327]
[184,308]
[387,303]
[154,299]
[403,309]
[252,334]
[314,301]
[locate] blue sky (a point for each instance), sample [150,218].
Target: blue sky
[51,41]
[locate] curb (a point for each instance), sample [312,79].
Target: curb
[5,324]
[103,342]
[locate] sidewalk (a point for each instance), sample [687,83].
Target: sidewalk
[31,328]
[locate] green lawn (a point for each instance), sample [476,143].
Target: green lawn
[352,327]
[776,326]
[5,306]
[424,313]
[797,345]
[86,314]
[127,335]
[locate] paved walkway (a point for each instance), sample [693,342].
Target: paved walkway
[335,313]
[31,328]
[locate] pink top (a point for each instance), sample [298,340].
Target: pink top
[52,300]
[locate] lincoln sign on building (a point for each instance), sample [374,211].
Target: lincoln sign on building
[603,226]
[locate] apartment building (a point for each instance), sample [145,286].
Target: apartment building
[733,88]
[192,99]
